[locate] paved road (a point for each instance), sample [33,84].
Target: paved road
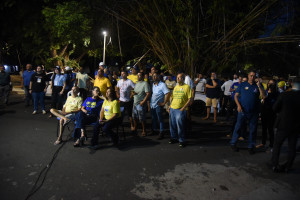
[141,168]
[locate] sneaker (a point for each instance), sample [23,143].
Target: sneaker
[34,112]
[182,144]
[173,141]
[44,112]
[251,151]
[241,139]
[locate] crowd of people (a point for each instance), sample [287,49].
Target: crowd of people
[105,100]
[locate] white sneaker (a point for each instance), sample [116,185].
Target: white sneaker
[44,112]
[34,112]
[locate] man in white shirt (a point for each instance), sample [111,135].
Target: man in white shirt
[200,83]
[82,82]
[235,78]
[227,94]
[124,93]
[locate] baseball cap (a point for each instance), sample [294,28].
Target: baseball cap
[57,67]
[67,68]
[101,64]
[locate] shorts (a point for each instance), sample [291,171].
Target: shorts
[69,116]
[139,112]
[213,102]
[127,107]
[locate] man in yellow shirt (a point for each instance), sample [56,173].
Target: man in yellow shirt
[182,95]
[71,107]
[133,76]
[102,82]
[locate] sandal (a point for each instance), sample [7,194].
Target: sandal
[77,143]
[144,134]
[260,146]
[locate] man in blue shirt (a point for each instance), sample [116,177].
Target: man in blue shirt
[160,97]
[247,101]
[26,81]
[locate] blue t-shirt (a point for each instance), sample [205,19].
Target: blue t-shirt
[59,80]
[158,94]
[69,83]
[249,97]
[27,76]
[234,87]
[93,106]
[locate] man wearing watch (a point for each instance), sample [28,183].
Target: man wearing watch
[248,103]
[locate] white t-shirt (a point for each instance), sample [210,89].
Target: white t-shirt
[82,78]
[189,81]
[200,87]
[125,89]
[235,80]
[226,87]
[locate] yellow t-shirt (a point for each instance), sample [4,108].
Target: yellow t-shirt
[103,84]
[181,94]
[73,104]
[134,78]
[111,108]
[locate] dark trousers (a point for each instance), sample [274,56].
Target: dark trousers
[57,98]
[280,136]
[267,121]
[225,106]
[28,96]
[4,92]
[107,129]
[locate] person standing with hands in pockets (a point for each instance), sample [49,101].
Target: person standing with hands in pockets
[247,101]
[182,95]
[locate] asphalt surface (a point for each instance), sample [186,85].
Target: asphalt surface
[140,168]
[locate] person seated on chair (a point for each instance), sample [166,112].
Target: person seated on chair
[110,117]
[89,113]
[71,107]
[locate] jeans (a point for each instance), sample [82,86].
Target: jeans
[38,97]
[157,117]
[253,119]
[82,119]
[177,124]
[27,95]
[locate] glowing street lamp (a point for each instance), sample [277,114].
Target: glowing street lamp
[105,34]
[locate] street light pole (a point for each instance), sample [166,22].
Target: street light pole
[105,34]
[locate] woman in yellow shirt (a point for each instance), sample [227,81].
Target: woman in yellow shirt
[110,117]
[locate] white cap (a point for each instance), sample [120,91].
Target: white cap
[101,63]
[67,68]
